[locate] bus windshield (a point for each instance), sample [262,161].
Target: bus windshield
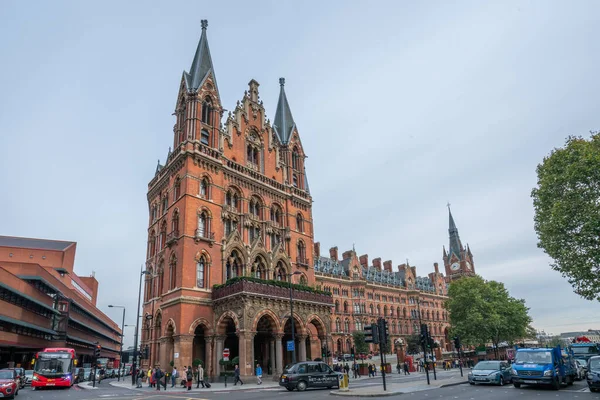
[584,349]
[53,364]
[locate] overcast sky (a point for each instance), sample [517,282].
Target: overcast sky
[401,107]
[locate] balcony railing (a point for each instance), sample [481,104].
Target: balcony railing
[302,261]
[172,236]
[205,235]
[265,289]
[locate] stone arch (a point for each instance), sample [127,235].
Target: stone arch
[204,209]
[170,328]
[221,326]
[198,322]
[299,327]
[203,253]
[275,322]
[319,325]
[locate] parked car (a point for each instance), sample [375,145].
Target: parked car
[8,383]
[20,372]
[496,372]
[307,374]
[87,373]
[593,373]
[28,376]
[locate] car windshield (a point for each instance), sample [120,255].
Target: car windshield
[6,375]
[486,365]
[595,363]
[288,368]
[533,357]
[53,364]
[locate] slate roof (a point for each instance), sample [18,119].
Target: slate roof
[455,244]
[28,243]
[201,65]
[284,122]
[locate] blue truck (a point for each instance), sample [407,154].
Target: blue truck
[543,366]
[585,350]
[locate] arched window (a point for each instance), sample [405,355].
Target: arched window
[299,223]
[205,137]
[160,280]
[207,111]
[347,326]
[172,274]
[295,159]
[233,265]
[163,236]
[371,308]
[202,230]
[385,310]
[176,189]
[200,267]
[303,280]
[280,272]
[276,214]
[301,249]
[232,199]
[337,307]
[338,325]
[259,269]
[175,224]
[345,306]
[204,188]
[295,180]
[254,207]
[151,244]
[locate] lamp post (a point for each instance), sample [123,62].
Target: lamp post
[292,313]
[122,327]
[137,320]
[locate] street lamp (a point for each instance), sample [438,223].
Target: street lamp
[292,313]
[122,335]
[137,321]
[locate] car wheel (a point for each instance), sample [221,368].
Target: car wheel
[501,383]
[301,386]
[289,388]
[517,385]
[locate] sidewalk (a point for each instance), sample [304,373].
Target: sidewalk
[400,388]
[250,384]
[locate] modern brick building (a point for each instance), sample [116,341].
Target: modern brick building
[43,303]
[230,220]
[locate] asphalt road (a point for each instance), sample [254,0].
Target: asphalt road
[578,391]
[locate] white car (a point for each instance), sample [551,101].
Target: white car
[581,369]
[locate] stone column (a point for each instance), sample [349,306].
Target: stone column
[183,347]
[272,356]
[302,347]
[246,344]
[219,340]
[208,364]
[278,354]
[162,356]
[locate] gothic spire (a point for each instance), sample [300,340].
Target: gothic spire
[201,65]
[455,244]
[284,122]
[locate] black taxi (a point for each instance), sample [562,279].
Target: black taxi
[307,374]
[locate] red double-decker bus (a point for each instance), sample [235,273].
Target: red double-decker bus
[54,367]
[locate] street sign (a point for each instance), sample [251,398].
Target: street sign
[290,345]
[225,354]
[176,355]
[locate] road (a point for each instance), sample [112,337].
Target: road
[578,391]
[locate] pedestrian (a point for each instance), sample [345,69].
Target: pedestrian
[346,369]
[199,376]
[355,370]
[236,374]
[138,380]
[189,377]
[406,370]
[149,377]
[174,376]
[398,367]
[258,374]
[374,370]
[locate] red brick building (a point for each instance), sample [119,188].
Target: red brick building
[231,200]
[43,303]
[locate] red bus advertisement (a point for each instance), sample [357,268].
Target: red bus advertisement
[54,367]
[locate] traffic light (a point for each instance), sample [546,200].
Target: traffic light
[383,333]
[424,334]
[147,353]
[456,341]
[323,352]
[97,349]
[372,334]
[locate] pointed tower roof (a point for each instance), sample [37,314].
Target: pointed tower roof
[201,65]
[455,244]
[284,122]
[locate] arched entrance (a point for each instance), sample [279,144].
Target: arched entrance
[169,344]
[287,336]
[316,342]
[199,345]
[264,343]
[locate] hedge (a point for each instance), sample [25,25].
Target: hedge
[282,284]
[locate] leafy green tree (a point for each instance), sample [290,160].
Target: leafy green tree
[360,346]
[483,311]
[567,212]
[413,344]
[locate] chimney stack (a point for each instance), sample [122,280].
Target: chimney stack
[436,268]
[333,253]
[401,267]
[317,249]
[364,260]
[377,263]
[387,265]
[347,254]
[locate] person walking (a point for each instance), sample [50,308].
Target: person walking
[355,370]
[149,377]
[189,378]
[199,376]
[236,374]
[406,370]
[398,368]
[174,376]
[258,374]
[346,369]
[138,379]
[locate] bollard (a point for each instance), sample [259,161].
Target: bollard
[343,382]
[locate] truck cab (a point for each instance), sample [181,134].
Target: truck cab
[542,366]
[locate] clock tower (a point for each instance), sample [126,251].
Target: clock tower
[457,260]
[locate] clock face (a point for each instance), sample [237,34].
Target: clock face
[455,266]
[468,265]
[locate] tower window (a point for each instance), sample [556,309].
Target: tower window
[200,272]
[295,180]
[204,188]
[207,111]
[299,223]
[204,137]
[295,159]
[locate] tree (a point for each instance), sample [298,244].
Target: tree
[413,344]
[483,311]
[360,346]
[567,212]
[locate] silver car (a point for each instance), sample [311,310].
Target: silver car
[496,372]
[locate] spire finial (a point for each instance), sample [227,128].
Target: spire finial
[204,24]
[448,205]
[282,81]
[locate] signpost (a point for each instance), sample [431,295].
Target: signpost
[290,345]
[225,354]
